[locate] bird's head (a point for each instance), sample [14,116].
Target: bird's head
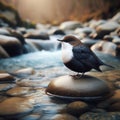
[72,40]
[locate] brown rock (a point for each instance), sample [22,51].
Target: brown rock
[77,108]
[72,87]
[15,105]
[63,117]
[5,77]
[17,91]
[101,46]
[11,45]
[25,71]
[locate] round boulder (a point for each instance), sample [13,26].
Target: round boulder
[76,87]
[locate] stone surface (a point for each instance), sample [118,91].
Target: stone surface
[116,17]
[87,87]
[25,72]
[3,53]
[5,77]
[63,117]
[100,116]
[4,87]
[15,105]
[18,91]
[101,46]
[31,117]
[37,35]
[70,25]
[11,45]
[76,108]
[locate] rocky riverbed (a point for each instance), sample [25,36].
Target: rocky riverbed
[31,58]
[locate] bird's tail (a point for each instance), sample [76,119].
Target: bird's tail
[107,65]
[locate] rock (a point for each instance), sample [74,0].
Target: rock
[29,83]
[77,108]
[94,23]
[37,35]
[70,25]
[114,107]
[108,38]
[11,45]
[4,31]
[111,101]
[18,91]
[59,32]
[89,42]
[101,46]
[74,87]
[25,72]
[15,105]
[106,28]
[116,40]
[116,18]
[31,117]
[5,77]
[4,87]
[100,116]
[85,30]
[3,53]
[63,117]
[117,84]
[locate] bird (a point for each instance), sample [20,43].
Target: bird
[78,57]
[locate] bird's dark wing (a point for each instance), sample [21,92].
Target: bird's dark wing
[84,55]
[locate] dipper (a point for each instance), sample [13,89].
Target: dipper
[78,57]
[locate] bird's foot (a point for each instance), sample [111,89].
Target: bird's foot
[78,75]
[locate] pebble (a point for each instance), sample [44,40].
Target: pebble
[117,84]
[70,25]
[63,117]
[37,35]
[5,77]
[15,105]
[11,45]
[18,91]
[3,53]
[4,87]
[31,117]
[29,83]
[100,116]
[101,46]
[77,108]
[25,72]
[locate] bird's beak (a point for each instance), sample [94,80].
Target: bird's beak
[60,40]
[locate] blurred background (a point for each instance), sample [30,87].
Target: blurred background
[57,11]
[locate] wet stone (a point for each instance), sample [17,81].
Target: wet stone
[101,46]
[25,72]
[5,77]
[117,84]
[15,105]
[74,87]
[31,117]
[100,116]
[18,91]
[114,107]
[76,108]
[4,87]
[63,117]
[70,25]
[29,83]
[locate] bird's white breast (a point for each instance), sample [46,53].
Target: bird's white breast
[67,53]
